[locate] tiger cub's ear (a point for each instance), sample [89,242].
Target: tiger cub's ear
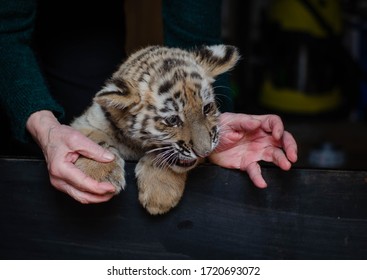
[217,59]
[116,93]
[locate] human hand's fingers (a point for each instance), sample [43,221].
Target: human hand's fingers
[78,195]
[86,147]
[272,124]
[70,174]
[67,178]
[290,146]
[240,122]
[276,156]
[254,172]
[64,148]
[50,134]
[62,145]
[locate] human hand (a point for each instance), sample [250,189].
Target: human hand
[61,146]
[247,139]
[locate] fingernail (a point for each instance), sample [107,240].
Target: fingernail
[111,191]
[109,188]
[108,156]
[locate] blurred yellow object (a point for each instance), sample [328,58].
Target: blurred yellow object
[293,101]
[302,71]
[293,15]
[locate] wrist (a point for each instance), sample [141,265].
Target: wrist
[39,124]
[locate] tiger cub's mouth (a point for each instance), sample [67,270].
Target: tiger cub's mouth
[185,162]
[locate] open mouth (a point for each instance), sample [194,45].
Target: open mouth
[168,157]
[186,162]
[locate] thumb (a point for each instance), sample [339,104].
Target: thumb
[86,147]
[241,122]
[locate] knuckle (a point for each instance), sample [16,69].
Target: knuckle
[53,169]
[56,184]
[74,136]
[274,116]
[77,196]
[83,200]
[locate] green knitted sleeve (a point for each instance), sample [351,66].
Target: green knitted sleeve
[192,23]
[22,88]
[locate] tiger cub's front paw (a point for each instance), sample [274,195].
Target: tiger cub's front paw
[112,172]
[159,189]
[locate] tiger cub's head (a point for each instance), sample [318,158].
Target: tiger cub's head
[162,100]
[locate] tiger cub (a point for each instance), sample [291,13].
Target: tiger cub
[158,108]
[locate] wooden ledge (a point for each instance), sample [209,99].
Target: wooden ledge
[303,214]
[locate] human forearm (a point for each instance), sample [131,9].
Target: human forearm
[23,90]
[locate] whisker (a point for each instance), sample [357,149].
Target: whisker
[158,149]
[165,155]
[226,87]
[227,121]
[161,160]
[224,95]
[223,129]
[231,90]
[162,155]
[221,125]
[165,162]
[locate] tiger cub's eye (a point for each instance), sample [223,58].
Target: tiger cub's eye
[173,120]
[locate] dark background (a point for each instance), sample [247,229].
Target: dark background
[333,138]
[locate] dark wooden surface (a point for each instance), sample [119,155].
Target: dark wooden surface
[303,214]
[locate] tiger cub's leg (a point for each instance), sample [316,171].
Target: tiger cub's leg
[113,171]
[159,189]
